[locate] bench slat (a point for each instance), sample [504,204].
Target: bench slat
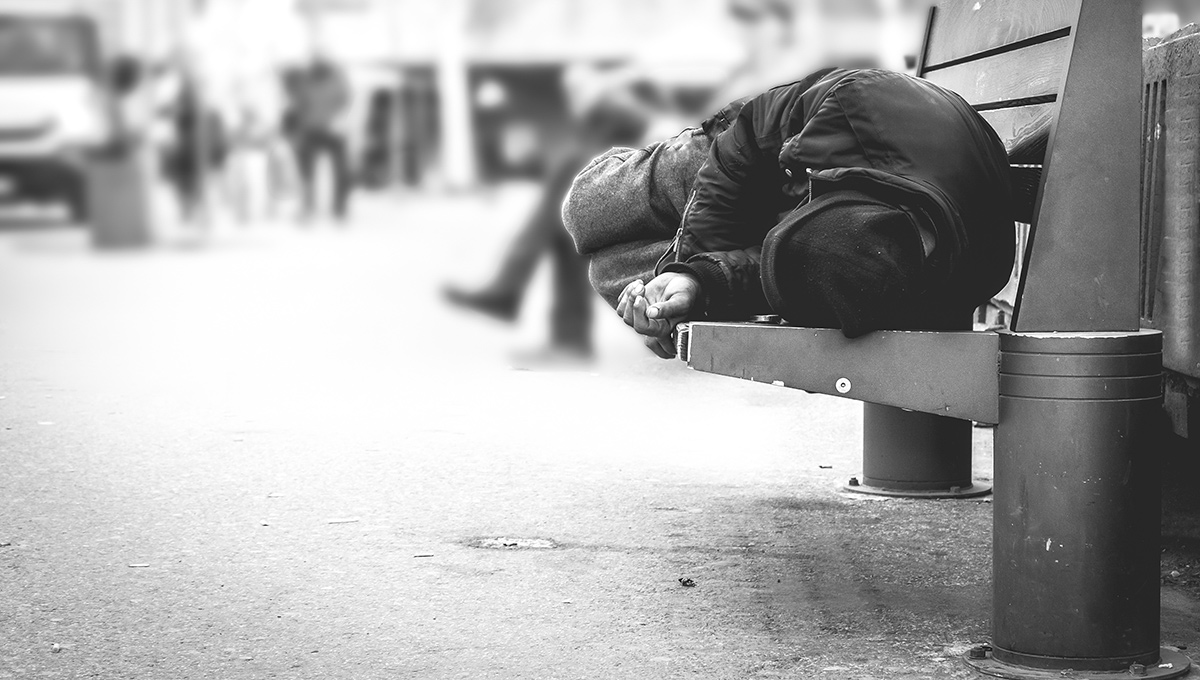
[1024,130]
[1013,78]
[968,27]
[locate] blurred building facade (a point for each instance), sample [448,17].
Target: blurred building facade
[478,83]
[1161,18]
[455,92]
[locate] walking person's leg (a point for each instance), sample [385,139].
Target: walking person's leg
[571,313]
[502,296]
[343,182]
[306,161]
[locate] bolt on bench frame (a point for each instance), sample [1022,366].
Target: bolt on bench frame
[1075,387]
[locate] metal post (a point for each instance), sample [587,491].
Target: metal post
[915,455]
[912,454]
[1077,508]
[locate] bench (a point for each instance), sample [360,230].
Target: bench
[1074,386]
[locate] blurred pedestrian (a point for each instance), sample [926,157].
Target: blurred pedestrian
[772,54]
[255,188]
[320,97]
[197,150]
[613,118]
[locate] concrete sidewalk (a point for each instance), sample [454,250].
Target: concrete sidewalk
[278,455]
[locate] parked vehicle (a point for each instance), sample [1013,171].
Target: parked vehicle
[52,102]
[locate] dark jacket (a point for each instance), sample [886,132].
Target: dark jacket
[320,93]
[886,133]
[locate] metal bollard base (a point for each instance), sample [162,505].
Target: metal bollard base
[909,454]
[972,490]
[1171,664]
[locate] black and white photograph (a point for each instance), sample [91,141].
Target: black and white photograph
[599,339]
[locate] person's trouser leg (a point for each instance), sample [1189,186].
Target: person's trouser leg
[335,144]
[502,295]
[306,162]
[571,314]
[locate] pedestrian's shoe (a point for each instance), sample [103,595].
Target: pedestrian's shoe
[483,302]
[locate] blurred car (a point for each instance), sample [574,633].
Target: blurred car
[52,103]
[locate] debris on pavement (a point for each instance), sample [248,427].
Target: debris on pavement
[55,648]
[343,521]
[424,555]
[511,543]
[687,582]
[139,564]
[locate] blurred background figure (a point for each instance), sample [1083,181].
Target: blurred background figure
[256,185]
[610,114]
[768,36]
[196,151]
[319,95]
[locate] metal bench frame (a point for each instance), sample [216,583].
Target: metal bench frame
[1075,387]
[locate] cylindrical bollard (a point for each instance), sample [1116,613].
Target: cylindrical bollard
[913,454]
[1077,501]
[910,454]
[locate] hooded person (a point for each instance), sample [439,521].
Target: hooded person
[853,199]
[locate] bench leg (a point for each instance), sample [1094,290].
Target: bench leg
[1077,508]
[915,455]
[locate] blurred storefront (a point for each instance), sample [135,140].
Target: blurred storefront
[476,86]
[457,92]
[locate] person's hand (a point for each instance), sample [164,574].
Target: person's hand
[654,309]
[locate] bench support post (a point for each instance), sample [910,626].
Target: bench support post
[915,455]
[1077,507]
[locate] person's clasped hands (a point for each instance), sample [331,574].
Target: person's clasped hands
[654,309]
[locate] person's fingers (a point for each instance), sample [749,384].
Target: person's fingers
[668,346]
[674,307]
[644,324]
[630,313]
[655,344]
[623,298]
[632,289]
[665,346]
[641,323]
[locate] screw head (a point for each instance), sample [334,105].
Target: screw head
[1137,669]
[842,385]
[977,653]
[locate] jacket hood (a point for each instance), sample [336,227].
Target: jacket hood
[931,203]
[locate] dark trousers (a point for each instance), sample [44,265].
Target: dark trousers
[571,312]
[310,145]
